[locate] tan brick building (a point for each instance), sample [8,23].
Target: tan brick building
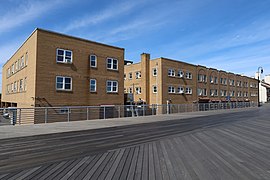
[158,80]
[52,69]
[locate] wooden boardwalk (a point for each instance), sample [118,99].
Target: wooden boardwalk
[239,149]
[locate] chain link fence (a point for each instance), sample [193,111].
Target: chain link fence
[37,115]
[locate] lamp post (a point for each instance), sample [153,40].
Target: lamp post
[260,71]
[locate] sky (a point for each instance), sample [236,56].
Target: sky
[230,35]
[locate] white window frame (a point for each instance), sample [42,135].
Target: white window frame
[171,89]
[154,89]
[112,86]
[91,60]
[180,90]
[65,60]
[64,83]
[22,62]
[111,65]
[180,73]
[171,72]
[26,58]
[188,90]
[21,85]
[138,74]
[154,71]
[138,90]
[188,75]
[25,84]
[95,84]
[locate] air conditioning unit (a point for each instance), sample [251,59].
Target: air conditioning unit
[181,92]
[181,75]
[200,93]
[212,81]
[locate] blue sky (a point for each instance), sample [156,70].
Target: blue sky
[232,35]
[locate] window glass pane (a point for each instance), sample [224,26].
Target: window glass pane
[67,86]
[60,58]
[67,80]
[114,66]
[93,58]
[68,53]
[60,79]
[59,85]
[60,52]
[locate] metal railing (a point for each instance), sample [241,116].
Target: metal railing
[77,113]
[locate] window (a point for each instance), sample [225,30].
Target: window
[125,76]
[8,72]
[22,62]
[213,92]
[63,56]
[12,87]
[154,71]
[180,73]
[223,92]
[202,92]
[138,90]
[154,89]
[112,86]
[171,89]
[202,78]
[93,61]
[25,80]
[188,90]
[130,90]
[130,75]
[26,58]
[63,83]
[112,64]
[12,69]
[21,85]
[138,74]
[225,81]
[171,72]
[232,93]
[19,64]
[215,80]
[180,90]
[16,65]
[231,82]
[15,86]
[188,75]
[93,85]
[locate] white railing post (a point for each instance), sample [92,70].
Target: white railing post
[119,111]
[87,113]
[68,115]
[104,112]
[46,115]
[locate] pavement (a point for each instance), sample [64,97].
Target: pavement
[9,131]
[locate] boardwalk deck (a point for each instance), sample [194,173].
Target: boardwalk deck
[235,147]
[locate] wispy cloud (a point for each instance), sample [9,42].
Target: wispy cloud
[24,12]
[112,11]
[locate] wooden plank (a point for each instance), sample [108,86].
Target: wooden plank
[167,160]
[145,165]
[127,164]
[139,165]
[102,166]
[109,164]
[176,156]
[121,164]
[158,175]
[133,164]
[75,168]
[95,167]
[151,174]
[23,175]
[88,167]
[114,165]
[163,167]
[82,168]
